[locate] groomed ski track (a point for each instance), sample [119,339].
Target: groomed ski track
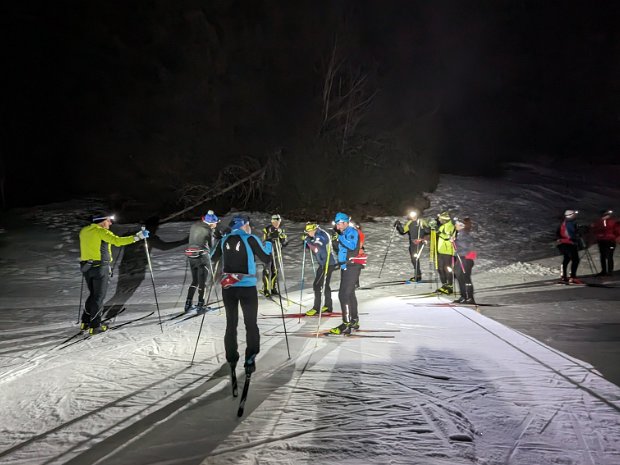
[193,405]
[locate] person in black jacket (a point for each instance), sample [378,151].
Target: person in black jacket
[275,234]
[203,235]
[418,230]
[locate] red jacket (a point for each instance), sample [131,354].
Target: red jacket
[606,229]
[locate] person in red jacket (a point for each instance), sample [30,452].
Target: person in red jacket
[606,231]
[568,245]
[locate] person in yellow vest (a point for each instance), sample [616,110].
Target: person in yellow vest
[445,252]
[96,241]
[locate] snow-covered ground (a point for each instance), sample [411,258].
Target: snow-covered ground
[425,383]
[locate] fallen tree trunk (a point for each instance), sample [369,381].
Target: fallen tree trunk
[255,174]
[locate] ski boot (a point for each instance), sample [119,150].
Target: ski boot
[460,300]
[355,323]
[188,305]
[445,289]
[574,281]
[200,307]
[343,328]
[325,309]
[250,365]
[312,312]
[470,301]
[98,329]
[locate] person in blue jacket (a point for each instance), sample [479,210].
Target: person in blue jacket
[352,259]
[237,253]
[319,243]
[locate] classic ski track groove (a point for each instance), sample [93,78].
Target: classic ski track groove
[184,396]
[35,360]
[577,384]
[114,403]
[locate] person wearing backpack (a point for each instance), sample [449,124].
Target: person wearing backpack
[237,251]
[351,258]
[568,245]
[202,237]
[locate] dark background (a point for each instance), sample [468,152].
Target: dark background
[134,101]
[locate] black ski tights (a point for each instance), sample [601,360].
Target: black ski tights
[571,255]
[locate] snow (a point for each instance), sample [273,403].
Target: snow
[432,383]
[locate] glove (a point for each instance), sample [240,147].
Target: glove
[268,247]
[144,234]
[397,223]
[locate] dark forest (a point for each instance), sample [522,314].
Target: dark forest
[355,105]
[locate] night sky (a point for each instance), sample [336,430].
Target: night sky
[137,97]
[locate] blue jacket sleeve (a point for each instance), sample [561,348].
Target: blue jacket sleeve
[349,238]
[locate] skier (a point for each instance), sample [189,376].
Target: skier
[445,252]
[568,240]
[418,230]
[203,236]
[237,251]
[318,241]
[465,256]
[606,230]
[273,233]
[351,259]
[96,241]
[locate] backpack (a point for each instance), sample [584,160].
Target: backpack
[361,258]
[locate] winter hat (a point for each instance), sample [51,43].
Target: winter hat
[341,218]
[310,226]
[569,213]
[459,224]
[238,222]
[444,216]
[276,217]
[100,217]
[210,217]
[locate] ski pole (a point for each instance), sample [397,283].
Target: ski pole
[148,259]
[417,258]
[301,286]
[282,312]
[79,316]
[313,265]
[329,256]
[590,261]
[202,321]
[387,250]
[281,263]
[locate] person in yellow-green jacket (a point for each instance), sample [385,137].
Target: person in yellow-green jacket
[96,241]
[445,252]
